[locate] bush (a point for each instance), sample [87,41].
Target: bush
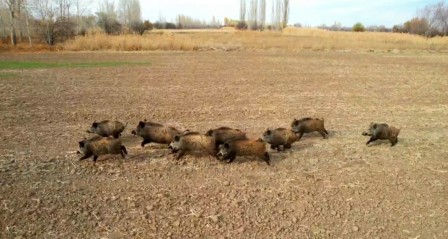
[241,25]
[56,31]
[358,27]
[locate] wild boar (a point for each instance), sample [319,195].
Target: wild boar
[382,132]
[280,137]
[308,125]
[224,134]
[192,142]
[154,132]
[243,147]
[107,128]
[99,145]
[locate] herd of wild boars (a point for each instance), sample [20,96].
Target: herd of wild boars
[223,143]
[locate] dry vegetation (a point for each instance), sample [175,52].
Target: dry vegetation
[333,188]
[228,39]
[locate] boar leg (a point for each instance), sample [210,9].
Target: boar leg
[181,153]
[300,135]
[393,142]
[85,156]
[231,157]
[322,133]
[116,135]
[145,141]
[373,138]
[267,158]
[287,146]
[95,157]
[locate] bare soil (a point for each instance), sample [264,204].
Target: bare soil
[321,188]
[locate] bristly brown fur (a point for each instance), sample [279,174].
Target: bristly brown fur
[308,125]
[155,132]
[99,145]
[224,134]
[192,142]
[280,137]
[382,132]
[243,147]
[107,128]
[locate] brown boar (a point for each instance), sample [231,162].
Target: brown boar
[308,125]
[192,142]
[280,137]
[99,145]
[154,132]
[382,132]
[107,128]
[243,147]
[224,134]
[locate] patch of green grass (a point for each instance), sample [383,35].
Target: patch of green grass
[19,65]
[7,75]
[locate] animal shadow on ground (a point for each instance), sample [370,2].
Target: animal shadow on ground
[380,142]
[278,156]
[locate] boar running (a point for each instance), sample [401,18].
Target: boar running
[107,128]
[243,147]
[382,132]
[192,142]
[308,125]
[280,137]
[154,132]
[224,134]
[99,145]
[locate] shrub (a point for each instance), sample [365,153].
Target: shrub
[358,27]
[242,25]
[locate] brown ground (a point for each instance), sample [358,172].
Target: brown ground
[334,188]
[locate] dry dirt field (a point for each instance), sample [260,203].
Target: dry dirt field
[322,188]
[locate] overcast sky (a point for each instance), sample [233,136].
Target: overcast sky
[306,12]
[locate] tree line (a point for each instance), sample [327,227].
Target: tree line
[52,21]
[430,21]
[253,15]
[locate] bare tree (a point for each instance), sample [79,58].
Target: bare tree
[81,7]
[242,23]
[253,15]
[107,17]
[12,5]
[262,14]
[277,10]
[242,10]
[27,14]
[285,13]
[129,12]
[437,17]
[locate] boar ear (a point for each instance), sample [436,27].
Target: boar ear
[95,124]
[176,138]
[209,132]
[141,124]
[81,144]
[268,132]
[226,145]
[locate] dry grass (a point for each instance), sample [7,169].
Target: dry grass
[228,39]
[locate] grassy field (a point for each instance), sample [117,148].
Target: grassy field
[291,39]
[321,188]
